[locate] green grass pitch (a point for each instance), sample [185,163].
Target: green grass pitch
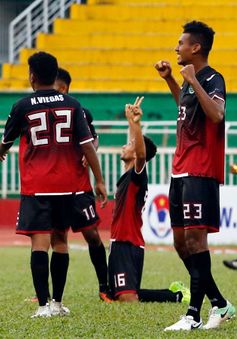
[91,318]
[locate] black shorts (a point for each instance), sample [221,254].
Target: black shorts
[195,203]
[42,214]
[125,268]
[84,213]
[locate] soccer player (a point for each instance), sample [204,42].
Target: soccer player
[91,234]
[54,135]
[198,169]
[127,243]
[62,85]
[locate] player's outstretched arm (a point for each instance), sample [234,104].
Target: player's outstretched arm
[133,114]
[89,151]
[165,71]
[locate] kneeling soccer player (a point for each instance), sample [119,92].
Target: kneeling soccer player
[127,243]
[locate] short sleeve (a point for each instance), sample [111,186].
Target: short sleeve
[215,86]
[13,126]
[82,128]
[89,119]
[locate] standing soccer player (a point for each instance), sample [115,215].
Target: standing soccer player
[62,85]
[91,234]
[198,170]
[54,135]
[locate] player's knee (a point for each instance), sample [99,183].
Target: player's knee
[59,242]
[196,241]
[130,297]
[40,242]
[181,249]
[194,245]
[60,248]
[92,237]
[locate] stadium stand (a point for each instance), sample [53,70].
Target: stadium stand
[111,45]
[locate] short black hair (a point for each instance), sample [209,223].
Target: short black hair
[202,34]
[44,66]
[64,76]
[151,148]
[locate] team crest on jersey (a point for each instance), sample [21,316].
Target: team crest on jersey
[190,90]
[158,216]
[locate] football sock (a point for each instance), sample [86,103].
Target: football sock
[188,263]
[198,277]
[58,268]
[211,289]
[165,295]
[98,258]
[40,274]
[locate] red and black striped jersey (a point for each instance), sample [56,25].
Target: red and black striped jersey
[129,202]
[200,142]
[51,126]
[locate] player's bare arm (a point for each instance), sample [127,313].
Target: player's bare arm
[165,71]
[95,142]
[101,194]
[133,114]
[89,151]
[3,150]
[213,108]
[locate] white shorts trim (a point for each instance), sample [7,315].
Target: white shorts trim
[62,193]
[179,175]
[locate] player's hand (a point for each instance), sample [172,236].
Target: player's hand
[233,169]
[2,157]
[128,111]
[84,161]
[188,73]
[134,112]
[101,194]
[136,109]
[163,68]
[3,153]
